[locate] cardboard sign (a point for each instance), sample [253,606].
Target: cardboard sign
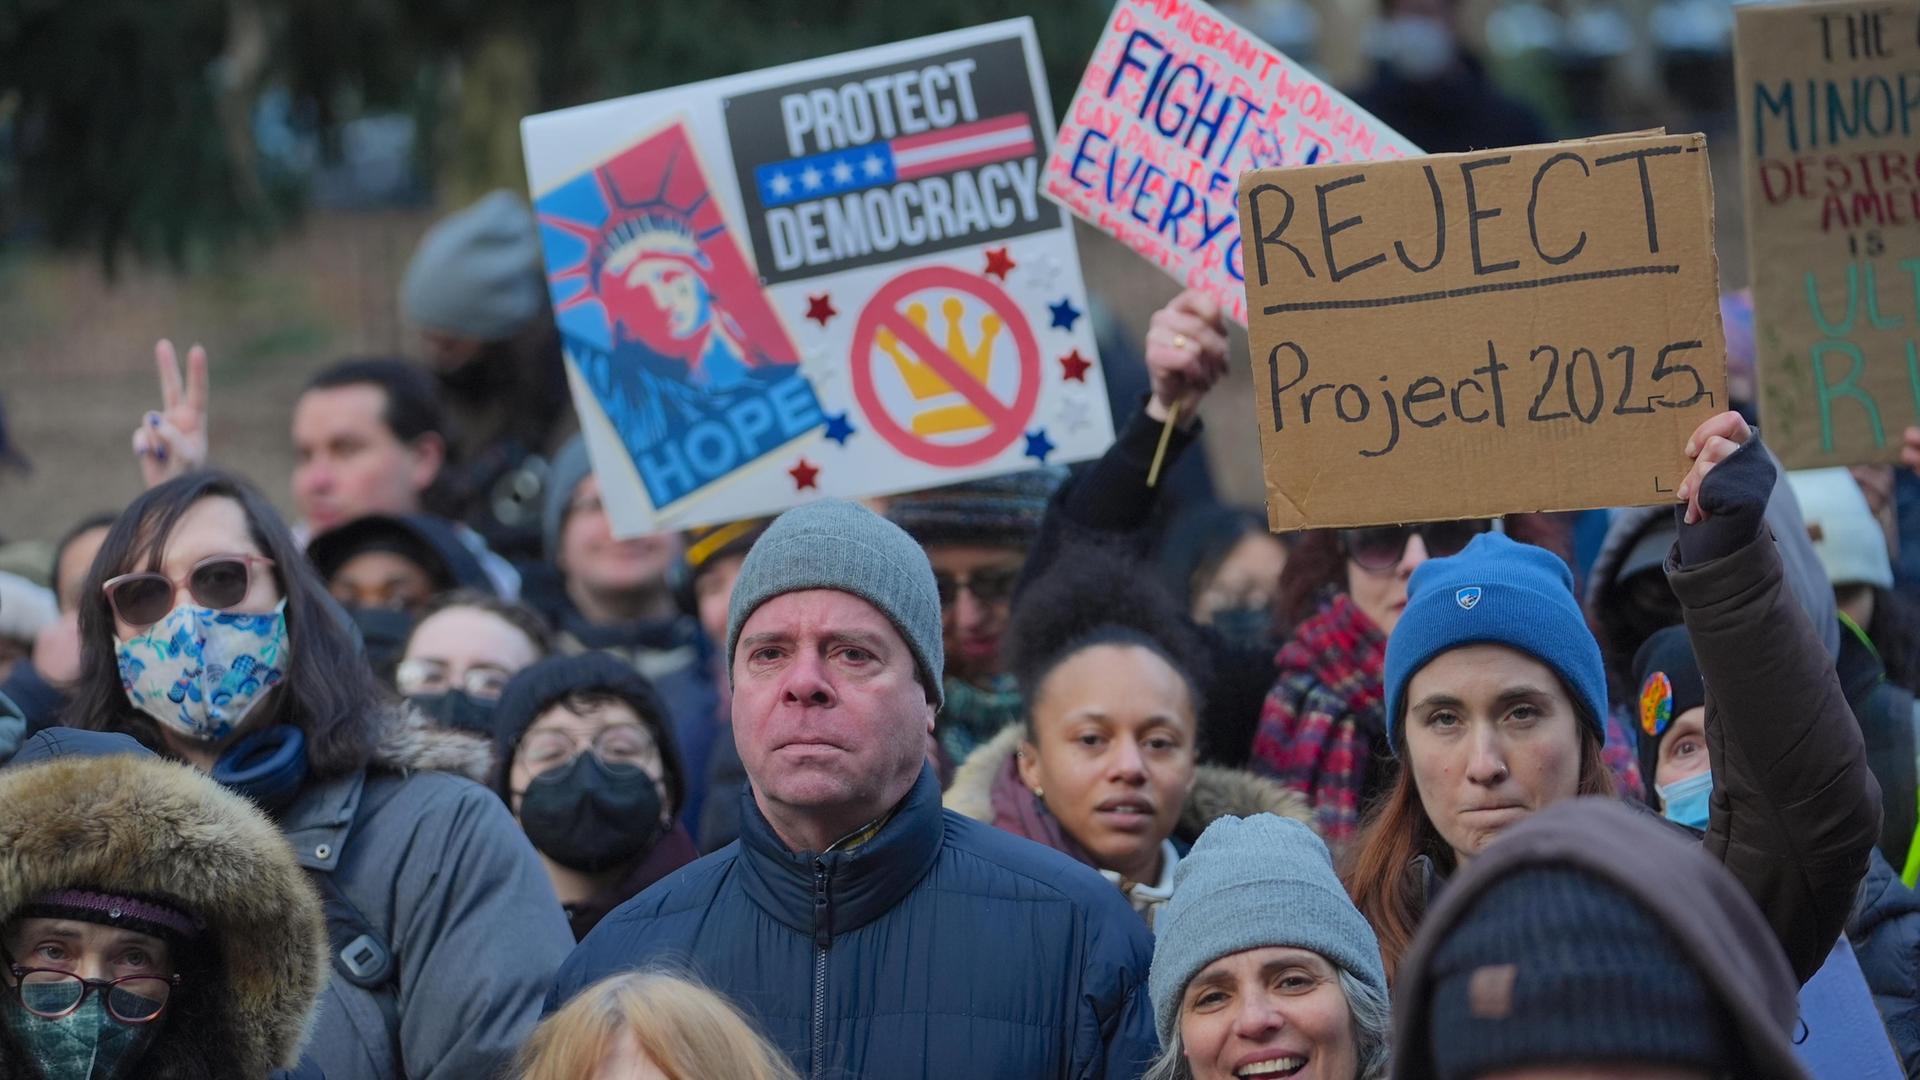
[836,277]
[1467,335]
[1830,121]
[1176,103]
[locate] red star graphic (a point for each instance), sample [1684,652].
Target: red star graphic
[803,475]
[820,308]
[999,263]
[1074,366]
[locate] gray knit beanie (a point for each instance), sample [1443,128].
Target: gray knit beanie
[840,545]
[476,273]
[999,511]
[1250,883]
[570,466]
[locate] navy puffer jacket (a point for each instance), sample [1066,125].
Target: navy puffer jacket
[940,947]
[1885,933]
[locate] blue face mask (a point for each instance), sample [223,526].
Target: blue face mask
[1686,800]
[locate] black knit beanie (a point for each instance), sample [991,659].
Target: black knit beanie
[1555,966]
[1666,683]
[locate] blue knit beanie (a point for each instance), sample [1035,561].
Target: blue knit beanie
[1496,592]
[1251,883]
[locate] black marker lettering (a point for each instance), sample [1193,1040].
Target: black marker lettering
[1475,215]
[1439,228]
[1639,158]
[1335,271]
[1260,249]
[1492,370]
[1393,422]
[1417,396]
[1464,418]
[1533,207]
[1273,377]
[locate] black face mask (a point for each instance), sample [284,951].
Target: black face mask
[590,816]
[384,633]
[1247,628]
[456,709]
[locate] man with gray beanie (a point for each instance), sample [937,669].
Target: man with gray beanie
[475,292]
[1262,965]
[865,929]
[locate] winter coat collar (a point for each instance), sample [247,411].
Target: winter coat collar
[321,816]
[129,823]
[1217,791]
[828,893]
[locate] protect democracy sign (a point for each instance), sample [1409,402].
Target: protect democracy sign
[1469,335]
[1177,102]
[835,277]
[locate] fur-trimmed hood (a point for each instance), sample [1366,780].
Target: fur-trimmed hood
[1217,791]
[128,823]
[412,743]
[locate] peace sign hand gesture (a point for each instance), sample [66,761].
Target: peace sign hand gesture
[173,441]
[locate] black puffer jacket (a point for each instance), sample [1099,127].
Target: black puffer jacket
[1885,933]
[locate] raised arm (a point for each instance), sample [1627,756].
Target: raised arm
[1795,811]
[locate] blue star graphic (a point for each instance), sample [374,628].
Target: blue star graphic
[1064,314]
[1039,446]
[838,429]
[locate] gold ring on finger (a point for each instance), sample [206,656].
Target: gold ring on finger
[1180,341]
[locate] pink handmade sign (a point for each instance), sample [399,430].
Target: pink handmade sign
[1177,101]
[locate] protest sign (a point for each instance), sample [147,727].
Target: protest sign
[1467,335]
[835,277]
[1176,103]
[1830,143]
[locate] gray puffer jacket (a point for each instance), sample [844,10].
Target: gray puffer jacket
[444,878]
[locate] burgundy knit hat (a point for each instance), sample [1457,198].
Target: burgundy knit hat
[141,914]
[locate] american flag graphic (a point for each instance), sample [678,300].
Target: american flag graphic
[909,157]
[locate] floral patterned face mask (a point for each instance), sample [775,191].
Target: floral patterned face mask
[200,671]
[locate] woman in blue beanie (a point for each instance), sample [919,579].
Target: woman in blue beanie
[1496,692]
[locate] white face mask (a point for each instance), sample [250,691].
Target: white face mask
[199,671]
[1418,47]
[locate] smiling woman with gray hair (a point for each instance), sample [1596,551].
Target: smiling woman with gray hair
[1263,969]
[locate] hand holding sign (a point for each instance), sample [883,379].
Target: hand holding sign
[173,441]
[1710,444]
[1186,354]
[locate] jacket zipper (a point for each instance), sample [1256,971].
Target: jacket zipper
[821,936]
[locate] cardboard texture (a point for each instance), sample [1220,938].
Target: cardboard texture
[1468,335]
[1830,143]
[830,278]
[1176,101]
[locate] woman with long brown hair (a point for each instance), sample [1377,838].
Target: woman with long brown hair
[1495,693]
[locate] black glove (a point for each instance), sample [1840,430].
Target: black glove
[1734,498]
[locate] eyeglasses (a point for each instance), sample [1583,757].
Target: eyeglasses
[989,586]
[1383,547]
[421,676]
[217,582]
[621,744]
[52,994]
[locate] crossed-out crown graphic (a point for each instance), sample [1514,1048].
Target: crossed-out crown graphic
[925,384]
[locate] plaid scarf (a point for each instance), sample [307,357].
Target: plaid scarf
[1325,712]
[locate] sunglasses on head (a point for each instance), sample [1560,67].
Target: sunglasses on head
[988,586]
[1383,547]
[218,582]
